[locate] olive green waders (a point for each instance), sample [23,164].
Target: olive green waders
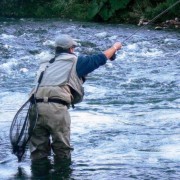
[54,120]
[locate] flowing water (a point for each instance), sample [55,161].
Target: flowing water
[128,126]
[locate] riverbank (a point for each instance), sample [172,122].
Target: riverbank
[106,11]
[168,24]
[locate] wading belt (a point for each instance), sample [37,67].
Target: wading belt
[47,100]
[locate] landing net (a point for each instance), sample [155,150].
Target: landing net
[22,126]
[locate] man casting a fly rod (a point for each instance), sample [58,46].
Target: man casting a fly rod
[61,87]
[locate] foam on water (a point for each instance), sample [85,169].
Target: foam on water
[177,53]
[143,52]
[7,67]
[121,56]
[152,52]
[170,40]
[15,170]
[24,70]
[6,46]
[7,36]
[113,38]
[101,35]
[44,56]
[11,101]
[5,172]
[109,65]
[171,151]
[95,91]
[49,43]
[86,121]
[132,47]
[127,127]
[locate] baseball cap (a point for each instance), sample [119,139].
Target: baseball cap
[65,41]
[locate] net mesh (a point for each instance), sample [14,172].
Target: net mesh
[21,128]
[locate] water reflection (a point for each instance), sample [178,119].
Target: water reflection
[46,169]
[21,174]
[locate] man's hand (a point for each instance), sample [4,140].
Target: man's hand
[110,53]
[117,46]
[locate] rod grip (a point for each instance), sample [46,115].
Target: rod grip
[113,57]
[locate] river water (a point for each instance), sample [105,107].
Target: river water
[128,126]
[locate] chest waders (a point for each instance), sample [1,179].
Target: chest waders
[26,117]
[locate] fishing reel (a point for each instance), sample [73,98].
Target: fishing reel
[113,57]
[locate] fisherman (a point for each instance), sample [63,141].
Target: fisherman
[61,86]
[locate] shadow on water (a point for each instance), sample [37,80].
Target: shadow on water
[45,169]
[21,173]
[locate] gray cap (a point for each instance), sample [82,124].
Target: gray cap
[65,41]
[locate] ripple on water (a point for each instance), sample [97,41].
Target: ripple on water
[127,127]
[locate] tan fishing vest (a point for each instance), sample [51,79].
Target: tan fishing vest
[60,80]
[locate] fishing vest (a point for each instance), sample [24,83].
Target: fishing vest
[60,80]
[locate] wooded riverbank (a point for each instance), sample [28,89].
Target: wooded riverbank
[114,11]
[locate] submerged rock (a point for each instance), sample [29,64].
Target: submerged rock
[158,28]
[101,35]
[172,23]
[143,22]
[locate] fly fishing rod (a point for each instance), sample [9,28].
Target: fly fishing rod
[156,17]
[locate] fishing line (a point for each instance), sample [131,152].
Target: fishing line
[156,17]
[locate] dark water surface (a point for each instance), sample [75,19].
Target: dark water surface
[127,127]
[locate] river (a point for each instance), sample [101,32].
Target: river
[128,126]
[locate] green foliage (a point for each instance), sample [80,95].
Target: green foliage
[150,12]
[69,9]
[175,11]
[101,10]
[105,8]
[58,6]
[94,8]
[118,4]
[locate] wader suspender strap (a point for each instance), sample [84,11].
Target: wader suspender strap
[41,76]
[40,79]
[51,61]
[34,100]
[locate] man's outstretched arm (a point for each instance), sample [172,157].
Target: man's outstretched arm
[112,50]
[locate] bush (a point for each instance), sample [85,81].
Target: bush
[99,10]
